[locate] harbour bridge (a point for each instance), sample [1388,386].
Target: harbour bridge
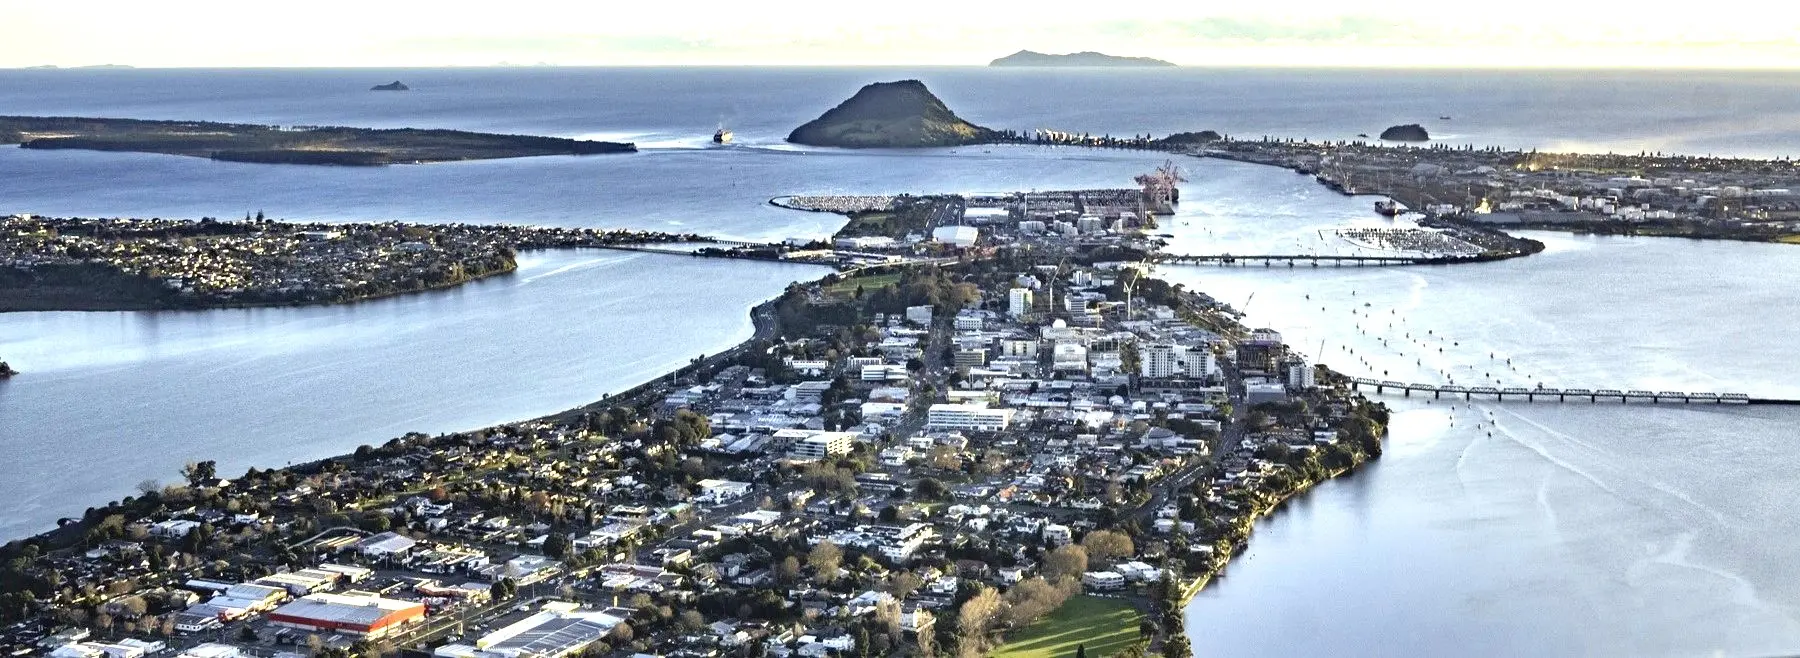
[1543,394]
[1314,260]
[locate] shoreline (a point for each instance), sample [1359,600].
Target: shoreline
[759,322]
[122,265]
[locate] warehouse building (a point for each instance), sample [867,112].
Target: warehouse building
[559,630]
[353,613]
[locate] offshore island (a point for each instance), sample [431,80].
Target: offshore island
[316,145]
[1029,58]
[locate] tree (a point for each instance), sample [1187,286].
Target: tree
[1034,598]
[1107,545]
[825,560]
[197,472]
[505,589]
[556,545]
[973,621]
[789,570]
[904,584]
[1065,562]
[1177,646]
[931,489]
[691,620]
[148,487]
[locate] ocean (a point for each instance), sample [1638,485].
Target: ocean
[1487,529]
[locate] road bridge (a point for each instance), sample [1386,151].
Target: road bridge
[1545,394]
[1313,260]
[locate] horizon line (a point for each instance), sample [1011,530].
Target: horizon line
[1294,67]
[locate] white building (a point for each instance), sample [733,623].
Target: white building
[1161,360]
[1103,580]
[1056,534]
[1018,347]
[823,444]
[1069,357]
[1200,363]
[957,236]
[1300,376]
[1018,302]
[1165,360]
[969,320]
[974,417]
[719,491]
[919,314]
[883,373]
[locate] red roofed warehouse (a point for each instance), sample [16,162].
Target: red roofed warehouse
[368,615]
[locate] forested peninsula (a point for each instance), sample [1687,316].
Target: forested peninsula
[327,145]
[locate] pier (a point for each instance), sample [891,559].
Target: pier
[1438,391]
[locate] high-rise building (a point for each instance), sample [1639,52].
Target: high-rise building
[1161,360]
[1300,375]
[1200,363]
[1018,302]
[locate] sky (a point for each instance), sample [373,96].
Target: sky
[1306,33]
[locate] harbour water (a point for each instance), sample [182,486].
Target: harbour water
[1573,530]
[1533,528]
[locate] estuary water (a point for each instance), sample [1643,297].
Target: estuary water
[1572,530]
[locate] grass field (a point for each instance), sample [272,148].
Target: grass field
[847,287]
[1104,625]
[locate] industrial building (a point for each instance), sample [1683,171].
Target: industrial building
[357,614]
[559,630]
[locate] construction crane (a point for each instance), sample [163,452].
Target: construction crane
[1160,193]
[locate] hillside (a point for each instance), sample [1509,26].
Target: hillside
[1086,58]
[902,114]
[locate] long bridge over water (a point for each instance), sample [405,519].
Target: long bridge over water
[1314,260]
[1541,394]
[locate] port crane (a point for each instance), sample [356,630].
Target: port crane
[1159,187]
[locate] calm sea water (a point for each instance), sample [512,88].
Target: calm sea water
[1572,530]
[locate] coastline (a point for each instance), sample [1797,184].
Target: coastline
[77,264]
[72,305]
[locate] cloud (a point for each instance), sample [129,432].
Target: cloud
[1337,29]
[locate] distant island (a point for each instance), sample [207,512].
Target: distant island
[6,370]
[392,86]
[328,145]
[46,67]
[901,114]
[1086,58]
[1411,132]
